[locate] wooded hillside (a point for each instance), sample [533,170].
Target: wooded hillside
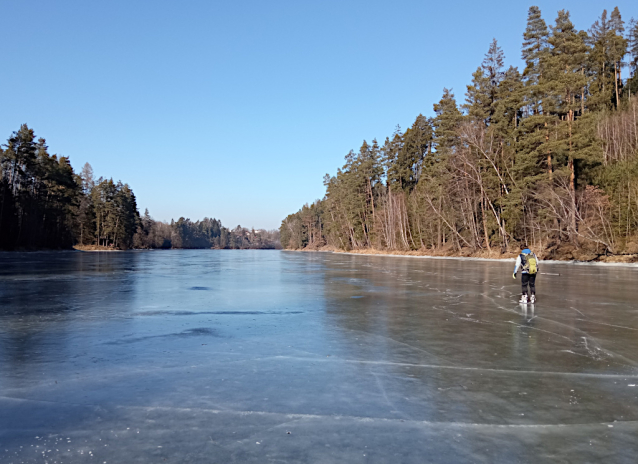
[547,155]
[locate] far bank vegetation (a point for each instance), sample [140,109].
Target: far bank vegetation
[44,204]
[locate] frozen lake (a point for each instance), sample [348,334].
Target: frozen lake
[264,356]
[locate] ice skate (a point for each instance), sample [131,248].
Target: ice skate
[532,300]
[523,299]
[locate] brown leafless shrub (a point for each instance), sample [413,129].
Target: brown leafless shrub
[589,207]
[619,134]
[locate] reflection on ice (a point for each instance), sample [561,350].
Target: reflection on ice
[528,312]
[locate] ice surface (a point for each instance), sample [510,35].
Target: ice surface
[265,356]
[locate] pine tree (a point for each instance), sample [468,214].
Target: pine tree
[417,142]
[601,86]
[435,181]
[446,123]
[482,93]
[18,161]
[87,178]
[508,104]
[618,50]
[535,44]
[478,103]
[632,43]
[86,212]
[534,155]
[64,192]
[126,216]
[19,158]
[567,63]
[608,50]
[493,68]
[631,86]
[389,156]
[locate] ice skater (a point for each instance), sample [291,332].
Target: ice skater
[528,263]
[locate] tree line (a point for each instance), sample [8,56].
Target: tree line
[547,156]
[45,204]
[207,233]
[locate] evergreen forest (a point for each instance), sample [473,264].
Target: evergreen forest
[44,204]
[545,156]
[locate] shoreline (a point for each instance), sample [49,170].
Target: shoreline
[510,257]
[136,250]
[93,248]
[101,249]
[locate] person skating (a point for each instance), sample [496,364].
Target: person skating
[528,263]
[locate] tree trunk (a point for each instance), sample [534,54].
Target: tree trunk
[616,83]
[4,200]
[549,154]
[572,175]
[371,196]
[487,238]
[582,95]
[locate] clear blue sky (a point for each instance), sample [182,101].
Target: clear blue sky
[236,110]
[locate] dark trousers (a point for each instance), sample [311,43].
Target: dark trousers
[529,279]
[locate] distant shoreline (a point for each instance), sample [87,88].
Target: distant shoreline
[95,249]
[611,260]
